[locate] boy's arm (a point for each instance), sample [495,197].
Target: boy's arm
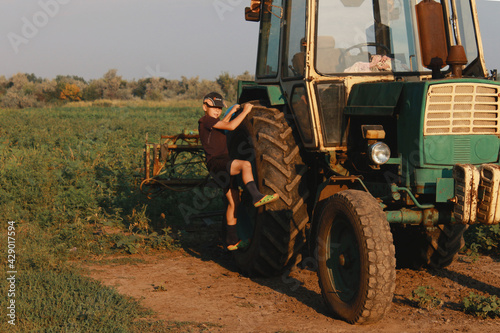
[231,125]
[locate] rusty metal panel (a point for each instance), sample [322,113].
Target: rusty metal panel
[489,207]
[466,184]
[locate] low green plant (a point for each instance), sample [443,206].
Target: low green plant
[167,240]
[482,306]
[426,297]
[159,288]
[129,243]
[473,252]
[483,239]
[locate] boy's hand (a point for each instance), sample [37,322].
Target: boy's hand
[247,108]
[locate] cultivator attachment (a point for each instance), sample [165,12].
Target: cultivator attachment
[477,193]
[175,164]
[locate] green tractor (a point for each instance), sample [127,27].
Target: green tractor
[377,124]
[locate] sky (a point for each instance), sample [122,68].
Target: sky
[144,38]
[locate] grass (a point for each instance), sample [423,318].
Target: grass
[69,170]
[55,301]
[69,176]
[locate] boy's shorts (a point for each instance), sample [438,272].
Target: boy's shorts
[220,170]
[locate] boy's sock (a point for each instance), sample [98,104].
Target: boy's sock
[232,235]
[254,191]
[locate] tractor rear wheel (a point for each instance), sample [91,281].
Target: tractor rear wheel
[443,244]
[277,230]
[356,259]
[435,247]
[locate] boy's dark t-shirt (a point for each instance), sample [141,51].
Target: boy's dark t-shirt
[212,139]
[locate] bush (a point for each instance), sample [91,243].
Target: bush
[154,89]
[17,99]
[92,92]
[70,92]
[27,90]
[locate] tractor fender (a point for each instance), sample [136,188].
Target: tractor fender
[325,190]
[270,95]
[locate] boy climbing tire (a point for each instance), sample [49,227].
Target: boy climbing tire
[276,230]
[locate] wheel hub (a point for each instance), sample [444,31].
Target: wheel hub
[342,260]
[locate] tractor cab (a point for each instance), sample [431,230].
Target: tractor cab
[316,51]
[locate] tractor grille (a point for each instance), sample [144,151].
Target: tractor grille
[462,108]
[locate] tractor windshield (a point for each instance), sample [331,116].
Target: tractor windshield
[374,36]
[381,35]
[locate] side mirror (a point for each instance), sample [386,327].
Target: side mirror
[252,13]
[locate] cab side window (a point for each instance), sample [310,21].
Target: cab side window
[270,38]
[295,55]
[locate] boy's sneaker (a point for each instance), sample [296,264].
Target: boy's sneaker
[267,199]
[240,245]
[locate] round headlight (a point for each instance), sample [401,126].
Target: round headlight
[379,153]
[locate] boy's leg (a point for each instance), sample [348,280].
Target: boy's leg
[245,168]
[232,239]
[233,200]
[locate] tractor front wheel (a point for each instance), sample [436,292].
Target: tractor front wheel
[356,257]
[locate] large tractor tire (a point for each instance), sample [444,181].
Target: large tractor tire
[434,247]
[356,259]
[443,244]
[276,230]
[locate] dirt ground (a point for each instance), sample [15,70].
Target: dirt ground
[203,286]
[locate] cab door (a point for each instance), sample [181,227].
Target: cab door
[294,58]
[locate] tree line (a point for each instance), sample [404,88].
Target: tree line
[27,90]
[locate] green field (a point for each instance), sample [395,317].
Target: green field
[66,174]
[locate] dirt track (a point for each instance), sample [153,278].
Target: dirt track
[204,286]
